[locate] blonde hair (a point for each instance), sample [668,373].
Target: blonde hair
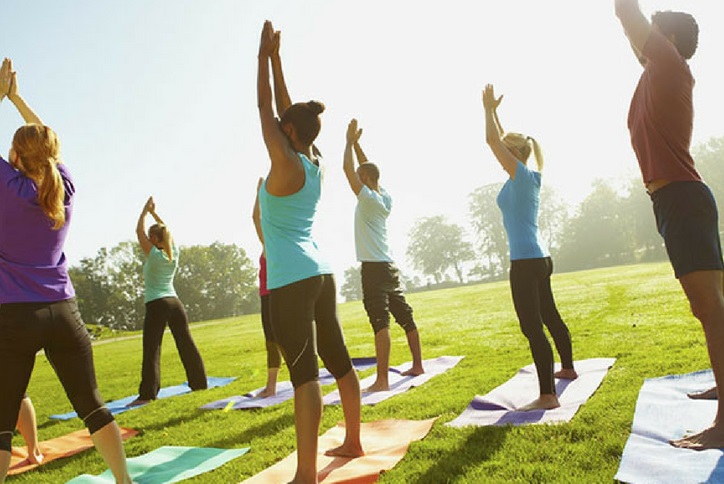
[161,232]
[38,150]
[520,146]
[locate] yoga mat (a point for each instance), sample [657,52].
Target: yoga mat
[119,406]
[385,443]
[57,448]
[168,464]
[285,391]
[499,406]
[399,383]
[663,413]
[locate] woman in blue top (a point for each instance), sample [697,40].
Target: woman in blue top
[530,265]
[38,310]
[163,306]
[303,293]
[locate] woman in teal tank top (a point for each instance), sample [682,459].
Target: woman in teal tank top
[303,293]
[163,307]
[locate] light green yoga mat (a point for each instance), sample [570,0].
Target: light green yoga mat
[168,464]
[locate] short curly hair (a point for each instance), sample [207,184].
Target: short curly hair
[682,26]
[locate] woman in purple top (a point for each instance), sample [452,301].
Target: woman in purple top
[530,264]
[37,305]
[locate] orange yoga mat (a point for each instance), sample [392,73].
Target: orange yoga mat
[385,443]
[57,448]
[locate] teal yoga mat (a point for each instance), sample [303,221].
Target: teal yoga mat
[168,464]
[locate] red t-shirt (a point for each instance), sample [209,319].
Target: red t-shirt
[661,116]
[263,291]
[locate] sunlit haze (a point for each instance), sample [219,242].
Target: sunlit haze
[159,97]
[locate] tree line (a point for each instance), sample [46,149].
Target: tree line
[214,281]
[609,227]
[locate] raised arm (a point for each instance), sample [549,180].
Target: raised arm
[353,135]
[286,173]
[256,214]
[493,134]
[636,26]
[9,85]
[281,94]
[143,239]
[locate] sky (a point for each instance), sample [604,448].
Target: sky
[158,97]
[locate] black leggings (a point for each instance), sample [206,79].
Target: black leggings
[382,295]
[530,283]
[299,311]
[273,357]
[57,328]
[159,312]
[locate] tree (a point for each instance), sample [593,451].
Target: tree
[437,246]
[553,217]
[709,158]
[489,230]
[352,287]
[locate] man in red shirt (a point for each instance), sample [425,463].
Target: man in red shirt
[660,122]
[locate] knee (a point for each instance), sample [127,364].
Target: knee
[708,310]
[6,440]
[407,324]
[336,360]
[379,323]
[97,419]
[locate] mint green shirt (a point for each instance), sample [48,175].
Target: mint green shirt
[158,274]
[370,225]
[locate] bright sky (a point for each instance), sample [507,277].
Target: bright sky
[159,97]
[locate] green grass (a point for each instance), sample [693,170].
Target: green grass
[637,314]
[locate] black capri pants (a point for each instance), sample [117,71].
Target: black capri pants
[57,328]
[382,295]
[530,283]
[305,323]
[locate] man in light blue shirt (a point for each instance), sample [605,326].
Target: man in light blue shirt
[381,290]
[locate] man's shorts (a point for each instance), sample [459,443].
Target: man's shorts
[687,219]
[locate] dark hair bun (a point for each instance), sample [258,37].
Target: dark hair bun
[315,107]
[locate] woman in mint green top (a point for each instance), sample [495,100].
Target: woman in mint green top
[303,293]
[163,306]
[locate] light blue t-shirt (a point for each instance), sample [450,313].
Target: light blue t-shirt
[291,253]
[518,200]
[158,274]
[370,225]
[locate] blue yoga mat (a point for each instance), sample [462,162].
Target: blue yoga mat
[119,406]
[663,413]
[168,464]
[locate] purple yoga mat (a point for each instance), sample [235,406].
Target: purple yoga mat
[285,391]
[399,383]
[498,406]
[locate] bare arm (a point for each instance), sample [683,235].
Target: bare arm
[287,174]
[493,133]
[353,135]
[636,26]
[9,85]
[361,157]
[256,214]
[281,94]
[143,239]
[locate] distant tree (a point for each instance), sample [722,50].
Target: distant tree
[352,286]
[490,235]
[709,157]
[437,246]
[553,215]
[600,234]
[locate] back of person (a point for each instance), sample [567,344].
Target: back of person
[158,274]
[291,252]
[33,266]
[370,225]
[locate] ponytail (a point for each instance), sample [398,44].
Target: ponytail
[537,152]
[38,151]
[162,232]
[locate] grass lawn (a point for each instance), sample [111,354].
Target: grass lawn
[637,314]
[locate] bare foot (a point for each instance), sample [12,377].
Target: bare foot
[566,374]
[544,402]
[35,457]
[711,438]
[414,371]
[267,392]
[346,450]
[137,402]
[377,386]
[709,394]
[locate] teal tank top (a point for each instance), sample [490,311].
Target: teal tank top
[291,253]
[158,274]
